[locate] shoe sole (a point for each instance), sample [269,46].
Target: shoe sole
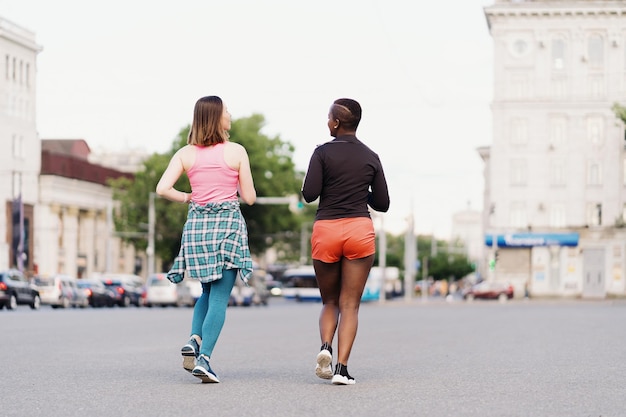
[342,380]
[189,359]
[205,376]
[189,362]
[323,369]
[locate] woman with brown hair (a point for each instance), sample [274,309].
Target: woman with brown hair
[214,247]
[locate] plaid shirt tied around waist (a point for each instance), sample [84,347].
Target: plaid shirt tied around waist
[215,237]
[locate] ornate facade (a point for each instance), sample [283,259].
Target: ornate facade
[555,177]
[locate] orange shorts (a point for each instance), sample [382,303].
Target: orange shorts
[351,238]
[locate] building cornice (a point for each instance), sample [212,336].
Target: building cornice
[552,9]
[19,35]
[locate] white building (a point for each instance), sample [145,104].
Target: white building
[555,177]
[20,158]
[55,211]
[467,228]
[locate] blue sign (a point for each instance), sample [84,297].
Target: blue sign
[528,240]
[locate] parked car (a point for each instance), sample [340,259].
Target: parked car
[162,292]
[128,288]
[80,296]
[259,282]
[15,289]
[241,295]
[493,290]
[60,291]
[275,288]
[97,293]
[195,288]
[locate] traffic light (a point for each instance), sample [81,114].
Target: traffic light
[296,205]
[493,261]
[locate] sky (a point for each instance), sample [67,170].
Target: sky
[126,74]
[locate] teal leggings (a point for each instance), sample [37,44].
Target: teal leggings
[209,312]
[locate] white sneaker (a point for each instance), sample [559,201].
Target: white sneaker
[324,369]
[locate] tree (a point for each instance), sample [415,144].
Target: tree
[443,264]
[620,111]
[274,175]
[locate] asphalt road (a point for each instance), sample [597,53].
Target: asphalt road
[535,358]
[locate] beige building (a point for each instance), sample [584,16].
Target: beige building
[74,231]
[555,177]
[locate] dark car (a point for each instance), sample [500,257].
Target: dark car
[490,290]
[128,289]
[97,293]
[15,289]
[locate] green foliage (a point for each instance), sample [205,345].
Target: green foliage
[444,261]
[133,199]
[274,175]
[620,111]
[448,266]
[273,172]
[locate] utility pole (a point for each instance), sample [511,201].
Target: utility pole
[304,237]
[151,224]
[382,259]
[410,256]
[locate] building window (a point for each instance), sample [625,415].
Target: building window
[7,61]
[519,131]
[594,173]
[519,172]
[557,215]
[558,130]
[557,172]
[13,69]
[595,130]
[595,50]
[518,215]
[594,214]
[27,75]
[558,54]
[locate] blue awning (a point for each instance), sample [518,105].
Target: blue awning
[528,240]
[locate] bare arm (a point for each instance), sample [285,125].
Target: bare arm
[165,187]
[246,183]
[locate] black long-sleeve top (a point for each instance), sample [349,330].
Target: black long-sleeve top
[347,176]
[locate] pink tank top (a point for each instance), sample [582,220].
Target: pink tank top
[211,179]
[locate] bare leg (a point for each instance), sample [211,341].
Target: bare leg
[328,277]
[353,279]
[341,287]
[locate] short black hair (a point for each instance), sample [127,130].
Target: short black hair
[348,112]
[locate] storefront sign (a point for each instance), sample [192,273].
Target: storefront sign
[528,240]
